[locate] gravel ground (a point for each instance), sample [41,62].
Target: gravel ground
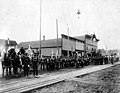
[104,81]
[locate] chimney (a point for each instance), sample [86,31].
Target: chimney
[8,41]
[43,37]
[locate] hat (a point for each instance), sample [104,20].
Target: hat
[36,53]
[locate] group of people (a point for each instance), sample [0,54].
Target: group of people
[17,63]
[21,62]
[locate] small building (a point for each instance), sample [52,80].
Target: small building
[6,44]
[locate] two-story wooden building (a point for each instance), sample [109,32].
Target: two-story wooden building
[64,46]
[91,42]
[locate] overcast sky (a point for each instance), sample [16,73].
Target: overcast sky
[20,19]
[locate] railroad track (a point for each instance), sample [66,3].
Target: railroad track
[28,87]
[14,81]
[10,83]
[19,85]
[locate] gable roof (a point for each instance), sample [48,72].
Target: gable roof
[4,42]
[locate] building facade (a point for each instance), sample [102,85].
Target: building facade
[71,45]
[64,46]
[91,43]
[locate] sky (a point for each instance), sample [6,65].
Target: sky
[20,20]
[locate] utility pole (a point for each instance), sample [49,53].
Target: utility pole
[85,47]
[68,42]
[40,27]
[57,37]
[106,50]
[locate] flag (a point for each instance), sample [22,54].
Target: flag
[29,52]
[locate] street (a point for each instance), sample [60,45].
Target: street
[103,81]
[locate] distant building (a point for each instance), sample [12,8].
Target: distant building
[114,52]
[65,46]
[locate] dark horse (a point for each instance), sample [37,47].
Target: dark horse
[15,61]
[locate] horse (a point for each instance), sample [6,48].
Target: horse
[15,60]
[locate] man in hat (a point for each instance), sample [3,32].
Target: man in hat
[26,63]
[35,64]
[22,51]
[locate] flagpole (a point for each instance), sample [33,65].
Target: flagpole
[40,27]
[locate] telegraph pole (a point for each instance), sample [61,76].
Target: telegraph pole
[40,27]
[57,37]
[68,42]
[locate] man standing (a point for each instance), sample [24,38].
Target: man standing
[35,64]
[22,51]
[25,62]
